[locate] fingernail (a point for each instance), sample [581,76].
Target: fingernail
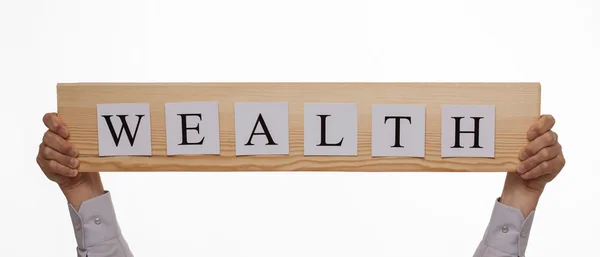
[73,152]
[531,135]
[74,163]
[73,173]
[523,155]
[521,168]
[63,132]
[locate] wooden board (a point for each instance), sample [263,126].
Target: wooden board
[517,107]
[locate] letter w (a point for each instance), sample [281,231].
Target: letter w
[124,126]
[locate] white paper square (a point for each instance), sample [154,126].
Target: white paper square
[137,117]
[469,113]
[201,128]
[275,117]
[385,141]
[341,123]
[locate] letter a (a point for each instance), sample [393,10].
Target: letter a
[265,131]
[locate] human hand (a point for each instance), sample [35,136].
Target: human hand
[542,158]
[58,160]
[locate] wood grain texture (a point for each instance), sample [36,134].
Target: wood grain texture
[517,107]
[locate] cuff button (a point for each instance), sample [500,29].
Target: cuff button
[504,229]
[97,221]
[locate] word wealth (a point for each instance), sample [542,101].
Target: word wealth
[262,128]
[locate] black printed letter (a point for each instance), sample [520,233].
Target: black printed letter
[397,118]
[265,131]
[124,126]
[458,132]
[184,129]
[323,134]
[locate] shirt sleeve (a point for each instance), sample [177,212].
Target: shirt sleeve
[96,229]
[507,233]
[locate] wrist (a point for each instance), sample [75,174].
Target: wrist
[516,194]
[89,186]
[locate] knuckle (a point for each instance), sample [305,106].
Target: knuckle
[47,152]
[47,136]
[557,150]
[553,137]
[536,173]
[530,151]
[38,160]
[554,151]
[54,166]
[66,148]
[528,165]
[544,165]
[545,153]
[562,161]
[529,174]
[527,149]
[539,130]
[549,138]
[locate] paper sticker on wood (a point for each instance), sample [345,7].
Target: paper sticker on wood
[398,130]
[124,129]
[261,128]
[192,128]
[468,131]
[330,129]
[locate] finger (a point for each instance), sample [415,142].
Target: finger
[561,160]
[39,157]
[59,144]
[51,154]
[543,155]
[543,125]
[54,124]
[548,139]
[53,166]
[547,167]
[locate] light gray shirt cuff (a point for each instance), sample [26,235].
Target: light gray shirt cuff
[98,233]
[507,233]
[96,228]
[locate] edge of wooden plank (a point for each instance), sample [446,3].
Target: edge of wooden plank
[93,163]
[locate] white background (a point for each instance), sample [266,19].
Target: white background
[299,214]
